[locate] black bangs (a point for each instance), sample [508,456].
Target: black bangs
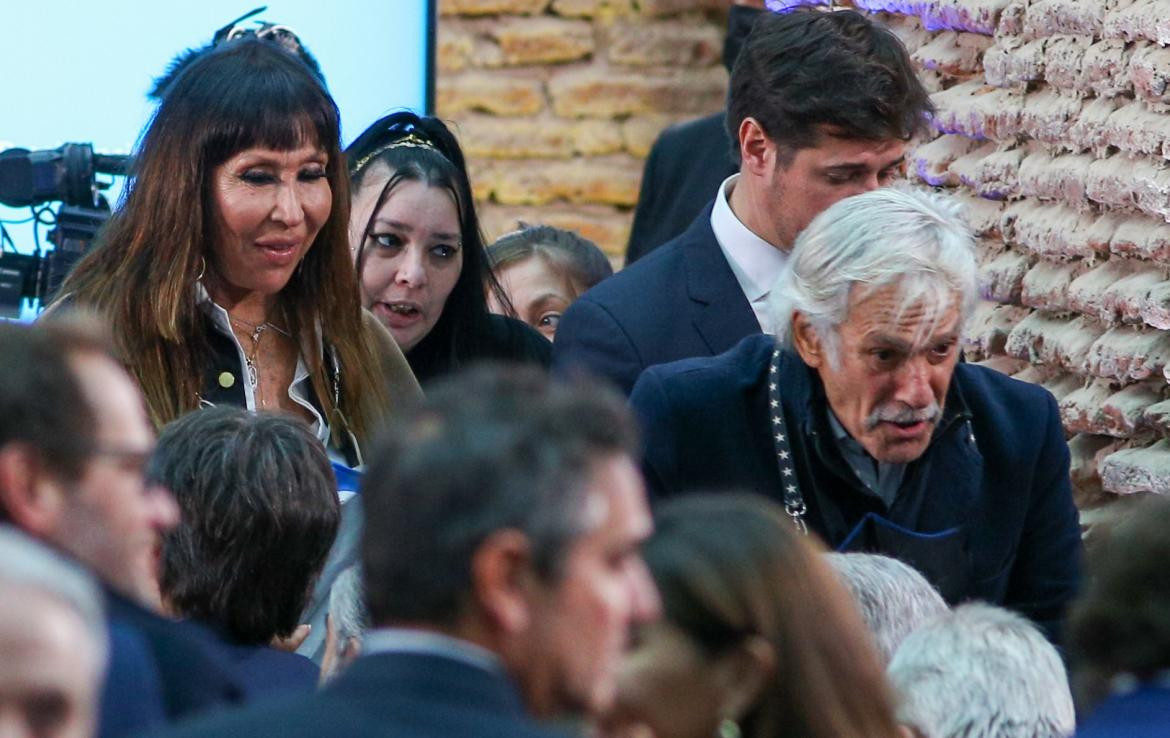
[251,93]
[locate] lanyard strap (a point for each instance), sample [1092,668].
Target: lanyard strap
[793,500]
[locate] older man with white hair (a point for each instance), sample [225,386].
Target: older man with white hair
[861,420]
[981,672]
[53,642]
[893,597]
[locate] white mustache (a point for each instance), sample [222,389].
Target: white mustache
[899,413]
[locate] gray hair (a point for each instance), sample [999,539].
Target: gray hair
[25,563]
[914,239]
[347,609]
[982,672]
[894,598]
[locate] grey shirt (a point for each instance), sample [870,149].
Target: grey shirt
[880,479]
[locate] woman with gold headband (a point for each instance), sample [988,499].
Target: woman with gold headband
[225,273]
[419,252]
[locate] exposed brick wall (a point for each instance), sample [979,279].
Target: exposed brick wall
[557,102]
[1052,128]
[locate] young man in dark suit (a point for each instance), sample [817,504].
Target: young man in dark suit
[821,105]
[688,161]
[502,568]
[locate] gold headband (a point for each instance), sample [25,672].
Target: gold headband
[412,140]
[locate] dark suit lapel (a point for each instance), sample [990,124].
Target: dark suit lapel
[718,309]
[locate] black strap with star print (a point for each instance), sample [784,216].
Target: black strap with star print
[793,500]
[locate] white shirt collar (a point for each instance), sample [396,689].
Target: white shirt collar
[409,640]
[298,390]
[755,262]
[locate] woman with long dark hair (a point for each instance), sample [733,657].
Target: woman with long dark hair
[419,251]
[225,273]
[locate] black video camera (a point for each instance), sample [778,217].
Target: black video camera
[67,175]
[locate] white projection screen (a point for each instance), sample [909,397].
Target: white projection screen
[79,72]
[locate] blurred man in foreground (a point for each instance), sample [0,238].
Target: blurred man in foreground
[53,644]
[502,568]
[74,440]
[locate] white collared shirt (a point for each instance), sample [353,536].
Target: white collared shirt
[409,640]
[755,263]
[298,390]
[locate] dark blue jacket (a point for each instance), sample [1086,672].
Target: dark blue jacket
[680,301]
[132,694]
[997,467]
[405,695]
[161,670]
[685,167]
[1143,713]
[264,671]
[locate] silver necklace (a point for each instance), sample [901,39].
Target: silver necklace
[250,360]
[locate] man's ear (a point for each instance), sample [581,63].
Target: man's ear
[501,569]
[743,673]
[757,152]
[807,341]
[30,497]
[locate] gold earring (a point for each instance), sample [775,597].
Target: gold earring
[202,268]
[728,728]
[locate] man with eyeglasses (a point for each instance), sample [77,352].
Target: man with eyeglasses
[74,440]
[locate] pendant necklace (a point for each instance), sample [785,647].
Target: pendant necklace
[251,360]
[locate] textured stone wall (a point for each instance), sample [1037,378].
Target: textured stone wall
[1052,128]
[558,101]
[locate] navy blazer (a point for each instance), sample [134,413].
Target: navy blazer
[264,671]
[685,167]
[680,301]
[132,694]
[159,663]
[405,695]
[997,467]
[1142,713]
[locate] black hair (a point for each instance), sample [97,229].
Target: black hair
[42,403]
[259,514]
[808,68]
[491,448]
[254,104]
[439,163]
[269,32]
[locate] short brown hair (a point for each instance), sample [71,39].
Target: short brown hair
[730,566]
[259,513]
[42,403]
[573,255]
